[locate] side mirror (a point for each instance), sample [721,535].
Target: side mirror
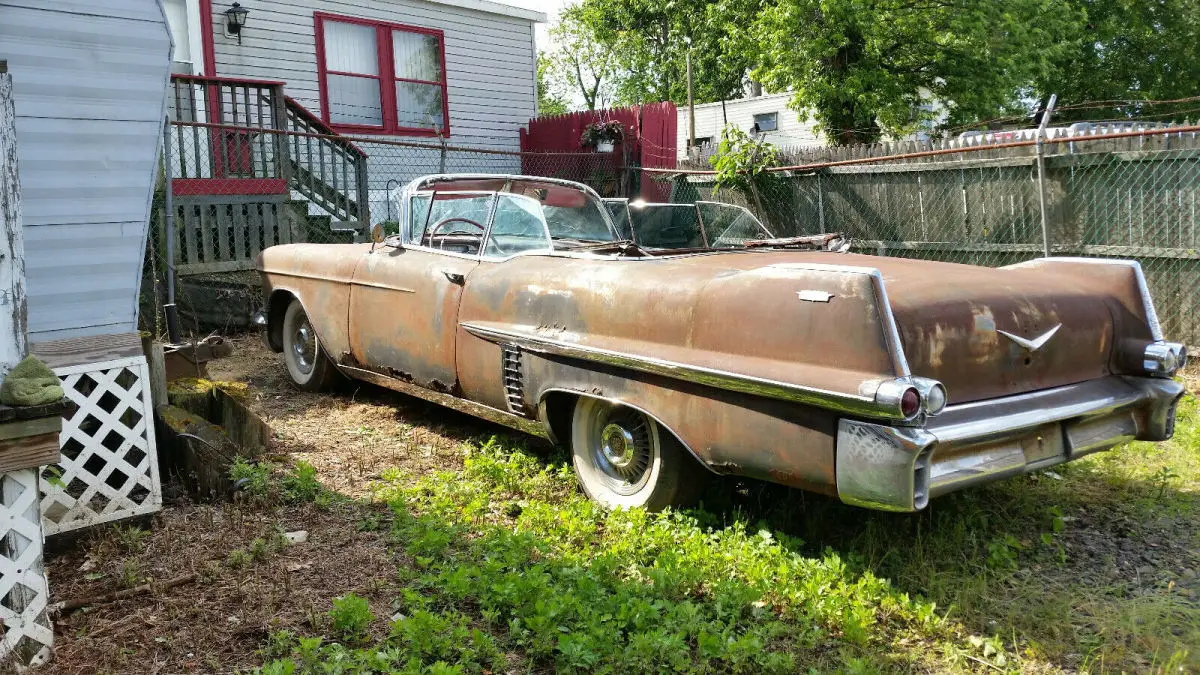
[377,233]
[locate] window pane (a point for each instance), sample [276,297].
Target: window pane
[666,226]
[417,56]
[416,103]
[728,225]
[351,48]
[517,226]
[353,100]
[464,237]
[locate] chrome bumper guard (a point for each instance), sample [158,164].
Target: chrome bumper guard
[901,468]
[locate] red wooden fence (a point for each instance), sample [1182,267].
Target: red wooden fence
[552,149]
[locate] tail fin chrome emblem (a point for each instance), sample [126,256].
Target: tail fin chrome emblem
[1034,344]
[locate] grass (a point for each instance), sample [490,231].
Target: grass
[1026,575]
[432,550]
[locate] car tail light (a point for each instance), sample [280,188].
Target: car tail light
[1164,359]
[933,395]
[906,398]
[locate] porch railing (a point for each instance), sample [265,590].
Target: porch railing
[247,137]
[327,171]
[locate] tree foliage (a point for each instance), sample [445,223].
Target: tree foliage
[1128,52]
[650,40]
[581,63]
[550,99]
[863,67]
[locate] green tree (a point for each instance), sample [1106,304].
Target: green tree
[860,68]
[1128,52]
[581,63]
[650,40]
[550,100]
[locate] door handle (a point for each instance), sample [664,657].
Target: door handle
[455,278]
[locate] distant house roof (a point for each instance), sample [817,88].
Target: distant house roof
[495,8]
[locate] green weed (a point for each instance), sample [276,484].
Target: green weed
[351,616]
[252,478]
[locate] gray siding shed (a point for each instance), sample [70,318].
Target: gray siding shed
[89,80]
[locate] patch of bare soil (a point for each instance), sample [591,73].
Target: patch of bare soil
[351,435]
[218,622]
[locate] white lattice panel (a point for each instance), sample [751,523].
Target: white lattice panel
[109,467]
[28,637]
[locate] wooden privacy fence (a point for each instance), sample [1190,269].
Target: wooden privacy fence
[1135,197]
[550,147]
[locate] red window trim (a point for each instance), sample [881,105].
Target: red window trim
[387,76]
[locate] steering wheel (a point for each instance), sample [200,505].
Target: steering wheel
[434,230]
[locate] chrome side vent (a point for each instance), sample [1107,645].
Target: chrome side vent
[514,385]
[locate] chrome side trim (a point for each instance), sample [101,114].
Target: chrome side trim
[446,400]
[1143,289]
[854,404]
[386,287]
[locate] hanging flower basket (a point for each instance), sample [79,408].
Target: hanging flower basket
[603,136]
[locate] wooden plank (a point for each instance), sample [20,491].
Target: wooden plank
[84,350]
[14,329]
[31,427]
[191,227]
[206,232]
[157,367]
[30,452]
[240,251]
[254,229]
[226,222]
[213,267]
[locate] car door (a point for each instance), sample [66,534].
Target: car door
[404,300]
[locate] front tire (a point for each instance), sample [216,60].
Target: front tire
[625,459]
[307,364]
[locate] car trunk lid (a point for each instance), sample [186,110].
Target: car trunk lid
[997,332]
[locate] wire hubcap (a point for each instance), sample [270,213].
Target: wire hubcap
[304,345]
[622,448]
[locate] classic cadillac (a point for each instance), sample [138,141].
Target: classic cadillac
[883,382]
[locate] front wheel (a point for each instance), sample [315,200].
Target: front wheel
[625,459]
[306,361]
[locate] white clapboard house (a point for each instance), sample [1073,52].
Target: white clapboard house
[461,72]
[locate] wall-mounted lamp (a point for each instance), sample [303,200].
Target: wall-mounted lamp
[235,19]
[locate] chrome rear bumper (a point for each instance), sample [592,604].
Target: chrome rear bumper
[898,468]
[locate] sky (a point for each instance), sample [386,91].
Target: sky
[550,7]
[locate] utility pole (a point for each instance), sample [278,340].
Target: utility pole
[691,101]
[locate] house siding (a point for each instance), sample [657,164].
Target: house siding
[89,81]
[740,113]
[490,76]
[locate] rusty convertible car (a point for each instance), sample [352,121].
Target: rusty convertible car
[881,381]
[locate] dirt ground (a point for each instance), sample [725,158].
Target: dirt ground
[218,622]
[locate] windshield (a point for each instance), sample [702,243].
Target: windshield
[687,226]
[513,216]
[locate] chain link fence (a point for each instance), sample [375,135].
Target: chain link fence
[1096,194]
[239,189]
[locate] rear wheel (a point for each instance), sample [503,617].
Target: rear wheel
[624,458]
[306,361]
